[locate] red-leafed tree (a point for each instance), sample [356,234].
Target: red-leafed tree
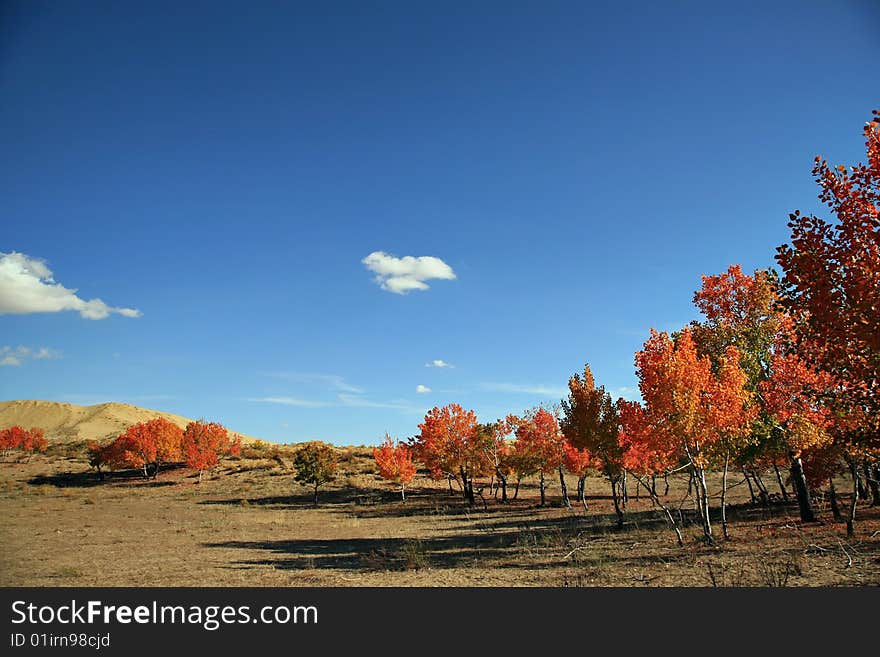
[448,445]
[497,448]
[580,463]
[27,440]
[831,285]
[591,421]
[395,463]
[538,433]
[204,443]
[147,445]
[101,456]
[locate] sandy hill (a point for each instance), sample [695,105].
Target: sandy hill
[69,422]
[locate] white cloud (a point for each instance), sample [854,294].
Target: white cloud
[27,286]
[540,390]
[422,389]
[330,381]
[290,401]
[14,357]
[439,363]
[402,275]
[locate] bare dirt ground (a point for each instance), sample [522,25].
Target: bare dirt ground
[251,524]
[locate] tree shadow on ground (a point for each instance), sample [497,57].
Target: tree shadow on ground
[536,544]
[90,478]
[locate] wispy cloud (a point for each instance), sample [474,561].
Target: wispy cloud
[402,275]
[27,286]
[362,402]
[439,363]
[290,401]
[325,381]
[526,389]
[16,356]
[422,389]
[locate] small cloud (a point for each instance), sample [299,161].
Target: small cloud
[15,357]
[27,286]
[422,389]
[439,363]
[402,275]
[290,401]
[527,389]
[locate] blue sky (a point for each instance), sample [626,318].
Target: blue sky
[220,171]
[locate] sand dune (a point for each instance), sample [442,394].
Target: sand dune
[69,422]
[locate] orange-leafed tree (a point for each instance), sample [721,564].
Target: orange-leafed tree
[34,440]
[395,463]
[591,421]
[646,452]
[831,286]
[449,446]
[147,445]
[690,408]
[494,440]
[204,443]
[101,456]
[580,463]
[538,433]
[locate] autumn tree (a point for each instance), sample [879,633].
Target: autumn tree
[580,463]
[448,445]
[315,464]
[743,311]
[689,408]
[27,440]
[147,445]
[493,440]
[831,284]
[395,463]
[591,421]
[538,433]
[101,456]
[203,444]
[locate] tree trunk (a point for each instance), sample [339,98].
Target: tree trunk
[762,489]
[617,509]
[835,508]
[543,491]
[403,492]
[502,481]
[863,490]
[666,481]
[564,488]
[751,489]
[851,518]
[516,488]
[780,482]
[582,496]
[703,501]
[624,498]
[871,478]
[669,516]
[805,504]
[638,490]
[449,481]
[200,476]
[724,496]
[316,494]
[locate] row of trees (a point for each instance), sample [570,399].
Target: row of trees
[17,438]
[150,445]
[781,372]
